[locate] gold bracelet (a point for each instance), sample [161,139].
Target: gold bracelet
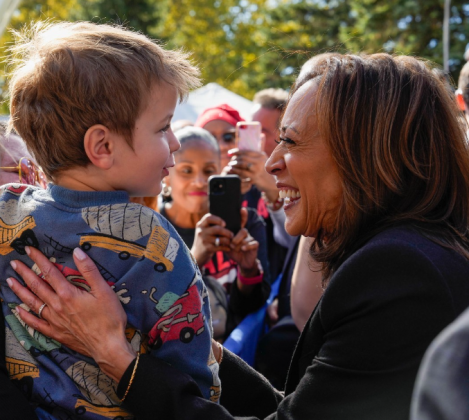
[131,378]
[221,353]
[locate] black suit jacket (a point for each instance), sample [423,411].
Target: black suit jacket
[358,355]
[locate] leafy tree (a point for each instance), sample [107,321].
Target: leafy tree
[409,27]
[248,45]
[31,11]
[141,15]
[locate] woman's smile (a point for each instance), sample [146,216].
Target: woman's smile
[198,193]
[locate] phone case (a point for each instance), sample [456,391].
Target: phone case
[249,135]
[225,200]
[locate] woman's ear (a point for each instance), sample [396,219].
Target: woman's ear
[99,144]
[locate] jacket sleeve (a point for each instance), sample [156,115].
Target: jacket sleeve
[161,391]
[13,404]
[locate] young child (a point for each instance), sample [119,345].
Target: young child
[94,104]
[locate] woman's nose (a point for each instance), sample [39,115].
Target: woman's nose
[275,163]
[200,180]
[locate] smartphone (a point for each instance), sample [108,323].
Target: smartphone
[225,200]
[248,135]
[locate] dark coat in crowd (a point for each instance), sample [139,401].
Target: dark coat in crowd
[442,388]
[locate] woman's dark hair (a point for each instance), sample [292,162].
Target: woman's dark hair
[189,134]
[392,128]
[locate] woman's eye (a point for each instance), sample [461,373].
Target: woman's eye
[186,170]
[285,140]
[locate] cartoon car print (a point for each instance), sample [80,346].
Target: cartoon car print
[18,369]
[159,246]
[17,236]
[215,389]
[16,189]
[182,321]
[83,406]
[32,340]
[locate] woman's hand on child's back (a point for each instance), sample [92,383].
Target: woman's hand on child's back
[92,323]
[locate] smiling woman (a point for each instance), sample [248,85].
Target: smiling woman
[312,184]
[376,166]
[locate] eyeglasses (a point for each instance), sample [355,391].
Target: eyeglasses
[29,173]
[228,137]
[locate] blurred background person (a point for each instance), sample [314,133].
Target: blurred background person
[16,163]
[462,94]
[178,124]
[276,347]
[220,121]
[210,243]
[442,387]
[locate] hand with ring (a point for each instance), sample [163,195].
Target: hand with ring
[39,313]
[210,236]
[78,319]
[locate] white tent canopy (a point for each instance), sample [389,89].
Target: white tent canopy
[7,7]
[209,96]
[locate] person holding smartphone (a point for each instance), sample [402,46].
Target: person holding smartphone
[234,264]
[220,121]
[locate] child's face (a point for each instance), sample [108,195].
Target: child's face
[143,168]
[189,177]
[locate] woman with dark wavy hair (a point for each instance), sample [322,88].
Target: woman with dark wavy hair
[373,164]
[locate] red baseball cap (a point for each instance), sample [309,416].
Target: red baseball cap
[221,112]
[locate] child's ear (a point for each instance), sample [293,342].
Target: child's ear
[99,146]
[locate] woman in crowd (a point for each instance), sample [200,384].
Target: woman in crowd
[374,165]
[224,270]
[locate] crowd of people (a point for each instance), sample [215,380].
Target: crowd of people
[120,288]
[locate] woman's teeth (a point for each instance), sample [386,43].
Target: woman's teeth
[289,195]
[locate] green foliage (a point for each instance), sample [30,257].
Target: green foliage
[248,45]
[141,15]
[410,27]
[31,11]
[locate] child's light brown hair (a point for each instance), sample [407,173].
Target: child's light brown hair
[71,76]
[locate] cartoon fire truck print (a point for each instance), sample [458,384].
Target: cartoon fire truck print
[182,319]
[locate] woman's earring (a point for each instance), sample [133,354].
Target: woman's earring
[166,192]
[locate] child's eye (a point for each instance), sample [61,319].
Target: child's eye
[166,128]
[284,140]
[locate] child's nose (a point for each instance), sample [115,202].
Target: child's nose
[173,142]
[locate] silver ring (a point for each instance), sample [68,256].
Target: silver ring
[41,309]
[217,241]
